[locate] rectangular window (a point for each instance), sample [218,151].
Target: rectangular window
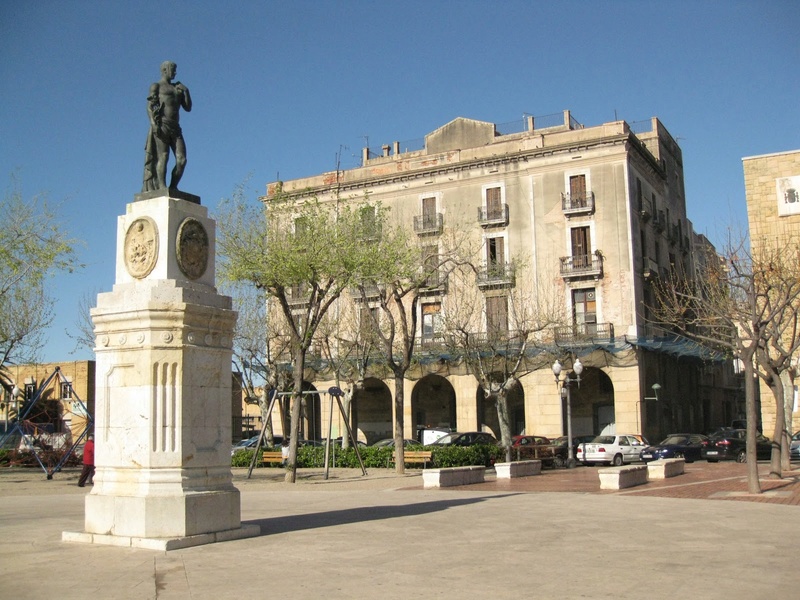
[431,322]
[581,247]
[496,315]
[66,390]
[430,264]
[429,213]
[494,204]
[584,310]
[577,190]
[495,256]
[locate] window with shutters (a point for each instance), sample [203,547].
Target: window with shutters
[581,247]
[496,315]
[495,255]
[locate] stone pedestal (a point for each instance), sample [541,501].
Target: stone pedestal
[163,404]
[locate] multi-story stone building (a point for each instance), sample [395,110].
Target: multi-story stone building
[772,191]
[65,393]
[598,212]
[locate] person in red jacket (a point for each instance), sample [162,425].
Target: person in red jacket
[88,462]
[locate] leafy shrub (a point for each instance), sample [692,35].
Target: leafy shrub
[464,456]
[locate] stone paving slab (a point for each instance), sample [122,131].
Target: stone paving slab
[383,536]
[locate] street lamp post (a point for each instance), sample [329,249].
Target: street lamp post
[566,392]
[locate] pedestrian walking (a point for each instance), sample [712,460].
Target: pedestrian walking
[88,462]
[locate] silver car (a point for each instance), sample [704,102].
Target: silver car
[794,450]
[611,449]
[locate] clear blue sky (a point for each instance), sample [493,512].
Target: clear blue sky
[279,88]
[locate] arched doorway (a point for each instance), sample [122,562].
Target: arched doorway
[433,404]
[487,411]
[372,411]
[592,405]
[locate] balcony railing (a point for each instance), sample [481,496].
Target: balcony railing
[576,204]
[428,224]
[586,265]
[496,275]
[584,333]
[495,217]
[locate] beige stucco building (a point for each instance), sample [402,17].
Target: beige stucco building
[65,390]
[772,191]
[598,212]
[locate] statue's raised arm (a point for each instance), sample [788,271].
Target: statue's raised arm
[164,102]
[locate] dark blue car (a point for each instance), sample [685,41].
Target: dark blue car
[677,445]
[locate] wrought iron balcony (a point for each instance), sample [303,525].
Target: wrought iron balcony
[586,265]
[428,224]
[495,217]
[496,275]
[576,204]
[584,333]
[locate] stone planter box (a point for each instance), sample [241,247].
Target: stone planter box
[521,468]
[617,478]
[450,476]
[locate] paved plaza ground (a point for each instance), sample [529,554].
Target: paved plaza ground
[552,536]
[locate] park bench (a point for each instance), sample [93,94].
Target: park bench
[412,457]
[271,456]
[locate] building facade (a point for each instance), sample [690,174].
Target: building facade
[599,214]
[65,390]
[772,192]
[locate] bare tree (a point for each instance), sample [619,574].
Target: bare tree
[746,305]
[504,336]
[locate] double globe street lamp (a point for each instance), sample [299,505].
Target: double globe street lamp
[565,385]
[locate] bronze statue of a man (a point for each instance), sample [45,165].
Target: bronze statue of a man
[164,102]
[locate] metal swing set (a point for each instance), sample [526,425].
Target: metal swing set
[333,393]
[26,434]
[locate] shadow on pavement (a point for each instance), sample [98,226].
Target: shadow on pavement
[276,525]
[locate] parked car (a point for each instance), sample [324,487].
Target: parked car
[561,444]
[794,450]
[612,449]
[390,442]
[251,442]
[731,445]
[529,440]
[676,445]
[470,438]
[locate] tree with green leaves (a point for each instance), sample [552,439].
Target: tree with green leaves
[303,254]
[33,247]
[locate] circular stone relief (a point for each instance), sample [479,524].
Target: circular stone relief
[141,247]
[192,248]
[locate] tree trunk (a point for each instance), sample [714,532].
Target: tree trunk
[501,399]
[788,406]
[779,433]
[753,485]
[297,403]
[399,425]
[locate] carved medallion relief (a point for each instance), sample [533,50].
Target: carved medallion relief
[192,248]
[141,247]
